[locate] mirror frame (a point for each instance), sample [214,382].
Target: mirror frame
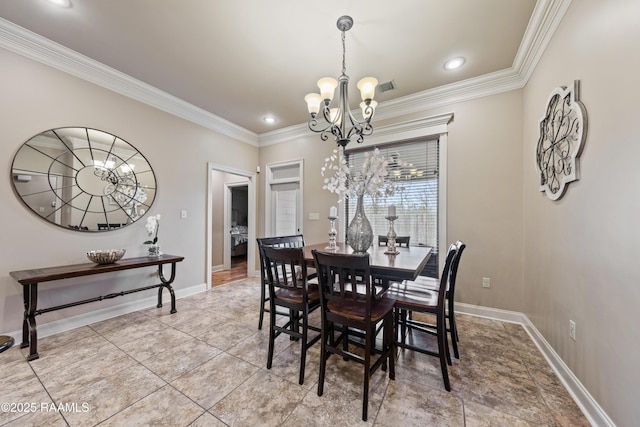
[83,179]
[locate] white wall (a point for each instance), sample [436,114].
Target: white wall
[581,252]
[36,98]
[484,181]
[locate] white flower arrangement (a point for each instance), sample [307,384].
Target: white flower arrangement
[371,180]
[152,226]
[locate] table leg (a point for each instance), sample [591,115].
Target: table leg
[167,284]
[25,321]
[29,327]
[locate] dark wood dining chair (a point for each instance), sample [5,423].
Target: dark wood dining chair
[348,304]
[288,288]
[292,241]
[110,226]
[403,241]
[431,283]
[409,297]
[400,241]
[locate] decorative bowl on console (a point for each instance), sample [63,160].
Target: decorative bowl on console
[106,256]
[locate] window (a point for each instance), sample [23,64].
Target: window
[416,198]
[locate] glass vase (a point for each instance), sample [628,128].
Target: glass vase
[153,250]
[359,232]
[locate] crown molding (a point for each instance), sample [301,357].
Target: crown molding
[30,45]
[545,19]
[285,134]
[465,90]
[478,87]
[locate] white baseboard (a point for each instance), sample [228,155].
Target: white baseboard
[587,404]
[490,313]
[216,268]
[62,325]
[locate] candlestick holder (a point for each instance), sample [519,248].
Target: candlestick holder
[332,234]
[391,237]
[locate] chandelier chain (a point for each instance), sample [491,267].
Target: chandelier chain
[344,55]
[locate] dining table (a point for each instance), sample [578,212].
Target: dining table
[406,264]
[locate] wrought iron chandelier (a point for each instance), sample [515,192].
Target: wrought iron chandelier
[340,121]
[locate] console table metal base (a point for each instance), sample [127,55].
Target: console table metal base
[30,279]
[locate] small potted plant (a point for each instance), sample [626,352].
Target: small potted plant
[152,226]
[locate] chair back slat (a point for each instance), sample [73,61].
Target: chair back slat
[285,267]
[292,241]
[344,277]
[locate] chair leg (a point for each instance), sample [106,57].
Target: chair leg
[453,330]
[323,354]
[403,325]
[295,323]
[345,342]
[262,303]
[303,346]
[443,349]
[446,343]
[272,334]
[389,344]
[396,321]
[367,375]
[384,343]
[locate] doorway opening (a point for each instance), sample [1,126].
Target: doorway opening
[239,225]
[231,226]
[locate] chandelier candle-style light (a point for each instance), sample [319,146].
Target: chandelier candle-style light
[340,121]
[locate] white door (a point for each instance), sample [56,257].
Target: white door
[285,208]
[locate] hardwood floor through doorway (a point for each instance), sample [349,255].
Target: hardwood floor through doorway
[237,271]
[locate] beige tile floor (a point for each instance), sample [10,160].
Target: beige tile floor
[206,366]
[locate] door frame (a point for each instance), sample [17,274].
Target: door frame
[251,217]
[268,217]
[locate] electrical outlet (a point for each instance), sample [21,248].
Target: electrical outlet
[486,282]
[572,329]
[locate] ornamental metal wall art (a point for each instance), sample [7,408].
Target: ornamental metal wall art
[563,130]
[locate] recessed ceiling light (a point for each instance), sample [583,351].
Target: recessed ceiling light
[454,63]
[61,3]
[269,120]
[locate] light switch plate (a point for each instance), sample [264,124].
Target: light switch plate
[314,216]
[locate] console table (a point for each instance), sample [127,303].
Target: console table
[29,280]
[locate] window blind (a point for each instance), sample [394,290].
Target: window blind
[416,196]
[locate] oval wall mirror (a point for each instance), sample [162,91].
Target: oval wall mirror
[83,179]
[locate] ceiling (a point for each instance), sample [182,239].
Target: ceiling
[244,60]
